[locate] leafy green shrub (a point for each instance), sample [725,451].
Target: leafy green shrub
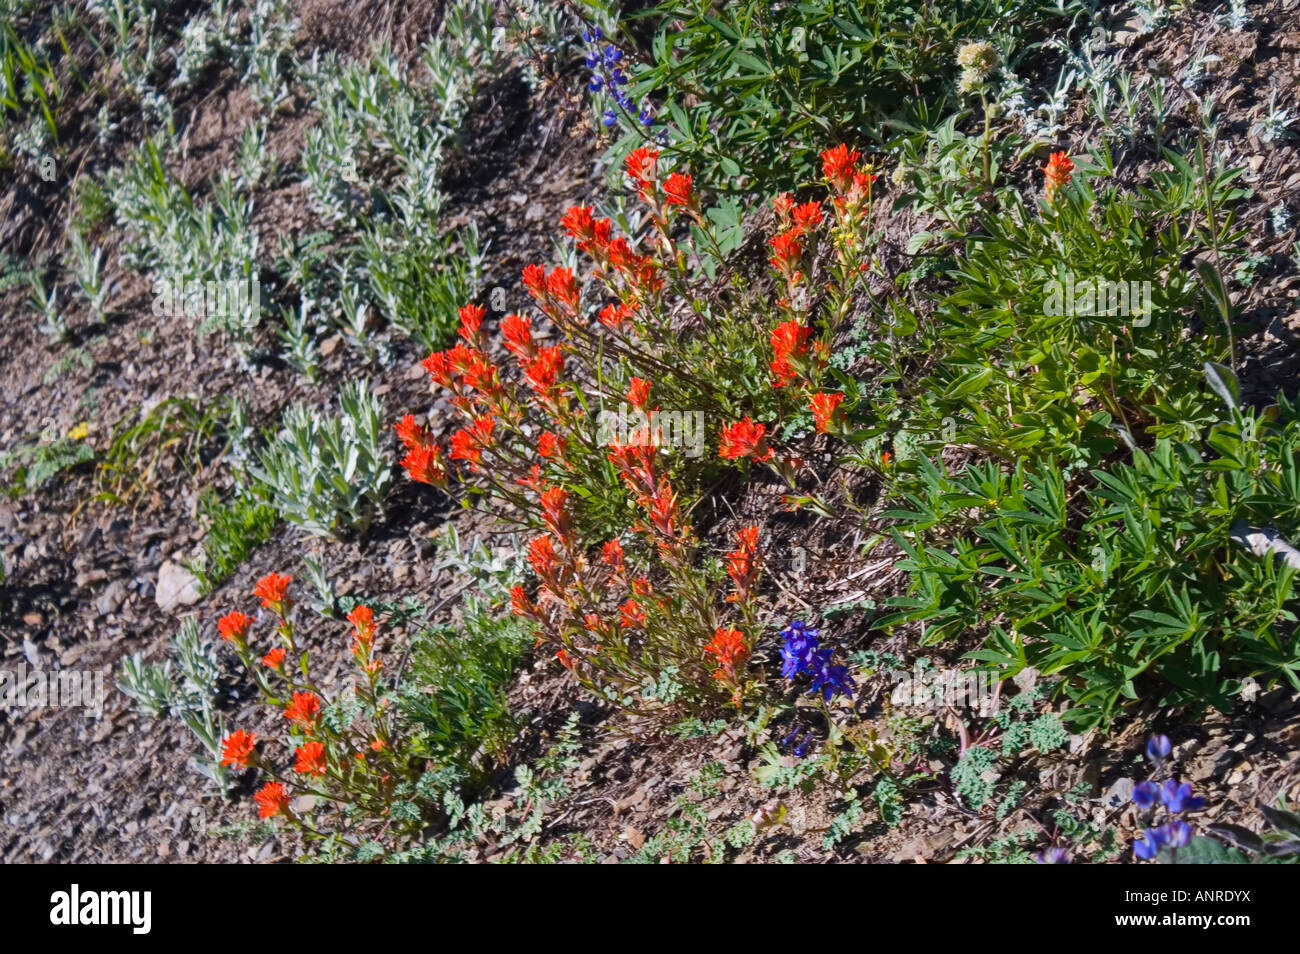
[1132,579]
[328,474]
[766,82]
[232,530]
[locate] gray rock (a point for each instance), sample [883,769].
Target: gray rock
[176,587]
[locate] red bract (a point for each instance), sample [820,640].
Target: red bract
[544,370]
[677,189]
[743,564]
[549,445]
[542,557]
[554,511]
[789,340]
[631,615]
[518,335]
[565,659]
[273,590]
[642,166]
[789,254]
[411,435]
[745,439]
[520,604]
[728,647]
[838,166]
[807,216]
[426,465]
[272,800]
[238,748]
[612,553]
[783,203]
[467,444]
[362,619]
[823,407]
[234,627]
[615,316]
[1058,171]
[534,278]
[471,322]
[311,759]
[303,709]
[638,392]
[563,287]
[274,659]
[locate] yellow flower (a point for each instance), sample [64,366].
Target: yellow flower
[79,432]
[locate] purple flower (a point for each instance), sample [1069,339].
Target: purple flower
[646,116]
[1148,846]
[1055,855]
[799,652]
[610,118]
[1158,748]
[593,35]
[595,84]
[800,738]
[831,680]
[1175,834]
[1179,798]
[1145,794]
[612,55]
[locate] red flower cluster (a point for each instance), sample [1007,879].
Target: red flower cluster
[273,590]
[303,709]
[238,748]
[423,461]
[311,759]
[234,627]
[745,439]
[824,407]
[1059,169]
[362,619]
[743,565]
[272,800]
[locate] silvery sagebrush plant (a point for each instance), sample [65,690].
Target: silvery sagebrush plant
[328,474]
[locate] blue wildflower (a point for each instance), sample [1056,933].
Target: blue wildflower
[1158,748]
[595,84]
[592,61]
[798,653]
[593,35]
[646,116]
[800,738]
[1148,846]
[1055,855]
[610,117]
[1175,834]
[623,99]
[618,77]
[831,680]
[1179,798]
[612,55]
[1145,794]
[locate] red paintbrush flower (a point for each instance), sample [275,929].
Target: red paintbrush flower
[554,511]
[549,445]
[273,590]
[518,335]
[426,465]
[272,800]
[303,709]
[745,439]
[563,287]
[238,748]
[728,646]
[807,216]
[311,759]
[743,563]
[471,322]
[677,189]
[789,254]
[823,407]
[838,166]
[274,659]
[630,615]
[544,370]
[638,392]
[234,627]
[1058,171]
[789,340]
[411,435]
